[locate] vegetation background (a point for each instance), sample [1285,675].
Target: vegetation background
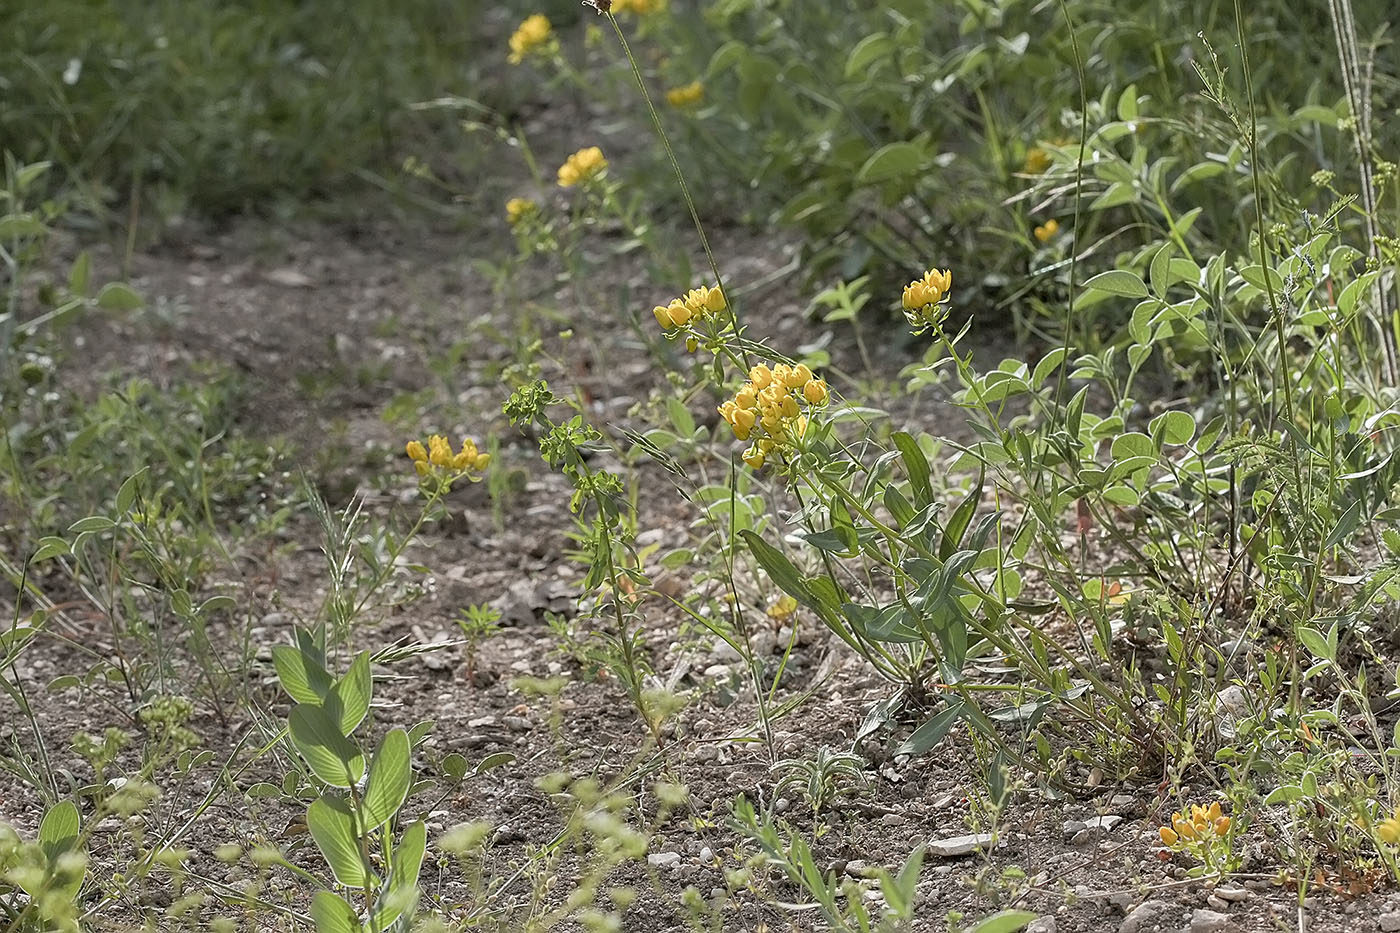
[481,466]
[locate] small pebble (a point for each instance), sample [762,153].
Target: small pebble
[1209,921]
[664,859]
[1390,923]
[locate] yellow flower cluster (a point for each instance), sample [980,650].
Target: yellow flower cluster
[768,408]
[640,7]
[687,95]
[581,166]
[517,209]
[529,36]
[1037,161]
[696,305]
[1199,826]
[1389,829]
[1046,231]
[438,458]
[922,298]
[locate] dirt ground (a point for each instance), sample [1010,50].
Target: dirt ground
[328,324]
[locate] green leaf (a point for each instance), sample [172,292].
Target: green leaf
[331,756]
[866,52]
[301,676]
[1127,103]
[401,894]
[93,523]
[917,465]
[1047,365]
[1316,643]
[1175,427]
[389,777]
[331,914]
[126,495]
[349,699]
[27,175]
[931,732]
[492,762]
[961,518]
[1118,282]
[116,296]
[779,569]
[1160,271]
[332,825]
[51,547]
[1348,523]
[1007,921]
[1132,444]
[80,276]
[894,161]
[58,831]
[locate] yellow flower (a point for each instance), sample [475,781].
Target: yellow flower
[1389,829]
[687,95]
[783,607]
[693,307]
[923,297]
[581,166]
[439,460]
[529,36]
[1046,231]
[771,408]
[1037,161]
[517,209]
[1169,836]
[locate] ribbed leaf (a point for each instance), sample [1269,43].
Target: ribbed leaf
[331,756]
[332,825]
[304,679]
[348,701]
[331,914]
[389,777]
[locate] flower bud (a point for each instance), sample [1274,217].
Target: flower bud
[814,392]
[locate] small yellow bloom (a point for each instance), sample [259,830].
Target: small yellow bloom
[754,458]
[1037,161]
[815,392]
[1389,829]
[581,167]
[1046,231]
[439,450]
[529,36]
[687,95]
[761,376]
[783,607]
[416,451]
[517,209]
[1169,836]
[663,317]
[1222,825]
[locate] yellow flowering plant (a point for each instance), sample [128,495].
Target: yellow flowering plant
[700,314]
[440,466]
[1046,232]
[582,167]
[1203,832]
[532,38]
[925,299]
[687,95]
[771,409]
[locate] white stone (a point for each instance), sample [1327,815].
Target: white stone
[1209,921]
[664,859]
[959,845]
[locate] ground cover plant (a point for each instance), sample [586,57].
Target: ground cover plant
[880,467]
